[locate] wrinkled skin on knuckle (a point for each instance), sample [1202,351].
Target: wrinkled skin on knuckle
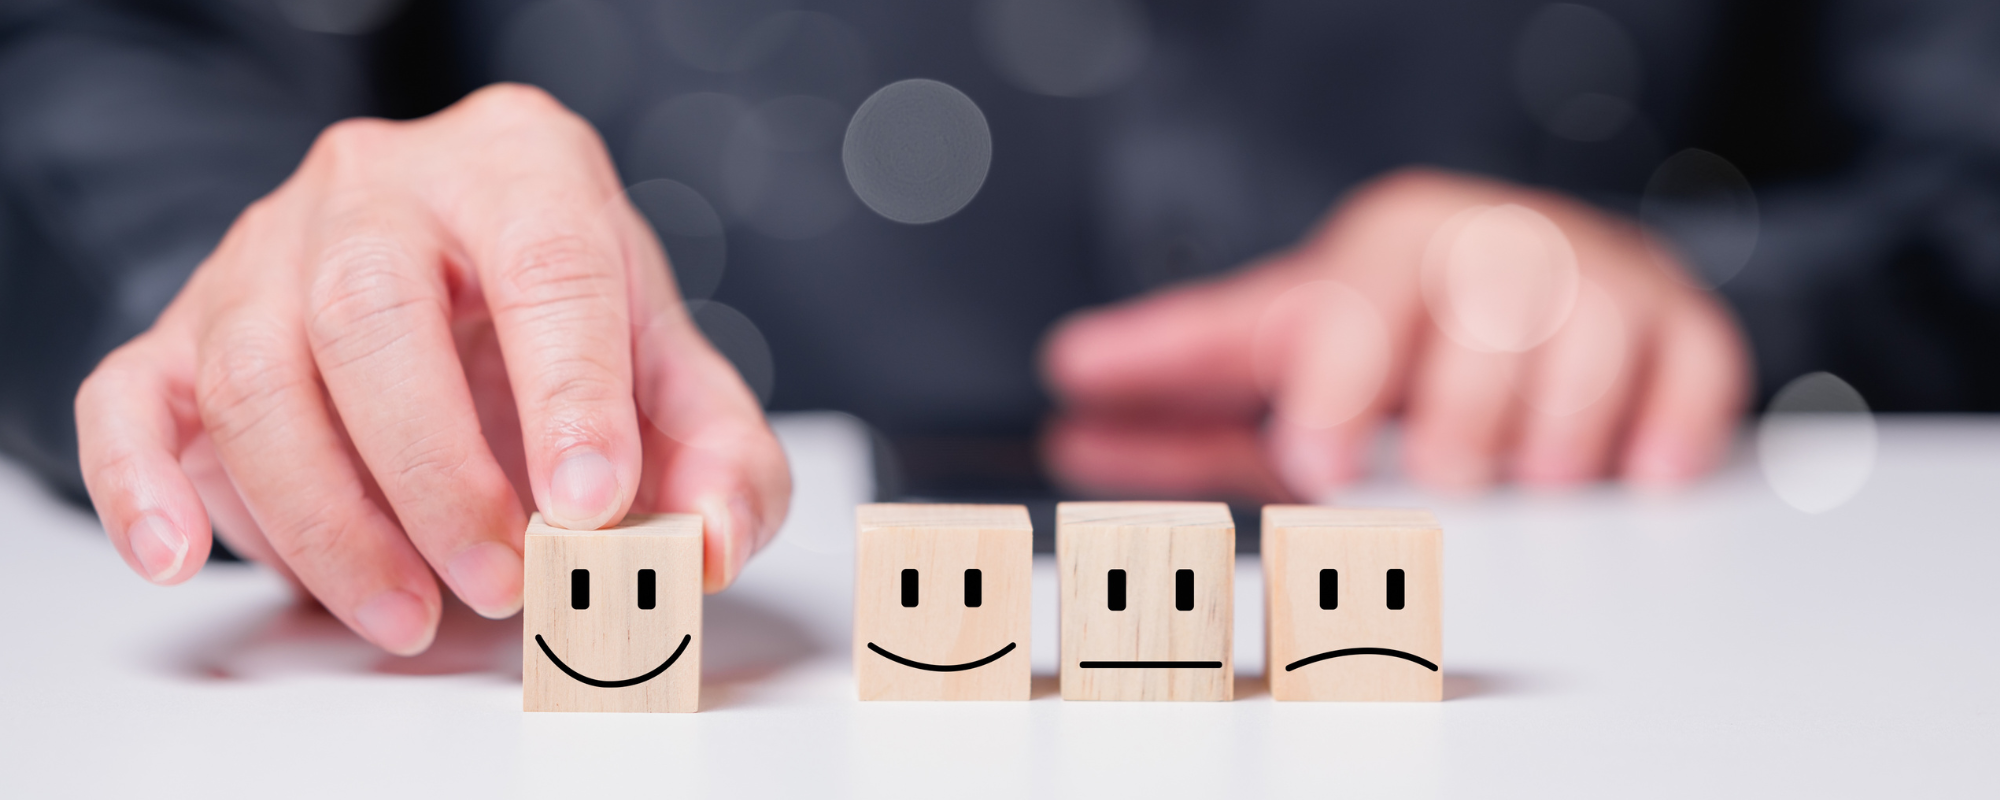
[559,280]
[365,296]
[247,370]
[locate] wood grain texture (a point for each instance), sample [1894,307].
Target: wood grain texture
[1150,542]
[1361,546]
[613,639]
[942,542]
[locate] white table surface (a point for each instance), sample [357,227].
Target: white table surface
[1712,643]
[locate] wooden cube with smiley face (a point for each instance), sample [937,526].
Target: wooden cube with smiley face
[1147,600]
[941,599]
[1353,605]
[611,619]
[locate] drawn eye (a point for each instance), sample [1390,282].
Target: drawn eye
[909,588]
[648,583]
[972,588]
[579,589]
[1329,589]
[1184,589]
[1114,590]
[1395,590]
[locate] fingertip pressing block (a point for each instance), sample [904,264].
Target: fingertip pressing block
[1353,603]
[611,619]
[1146,600]
[941,599]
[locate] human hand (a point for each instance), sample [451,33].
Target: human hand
[1521,334]
[425,319]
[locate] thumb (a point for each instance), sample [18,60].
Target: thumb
[1186,350]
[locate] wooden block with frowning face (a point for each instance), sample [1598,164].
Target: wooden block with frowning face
[941,597]
[1146,600]
[1353,606]
[612,618]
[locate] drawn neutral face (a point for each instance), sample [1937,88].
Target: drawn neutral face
[612,618]
[941,602]
[1353,604]
[1146,600]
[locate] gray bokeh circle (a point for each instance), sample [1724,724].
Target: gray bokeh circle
[917,151]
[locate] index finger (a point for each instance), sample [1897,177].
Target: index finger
[528,211]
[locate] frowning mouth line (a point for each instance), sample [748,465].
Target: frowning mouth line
[941,667]
[685,638]
[1145,664]
[1361,651]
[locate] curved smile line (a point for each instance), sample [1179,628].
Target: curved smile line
[941,667]
[685,638]
[1361,651]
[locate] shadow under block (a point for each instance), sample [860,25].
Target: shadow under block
[1147,592]
[941,599]
[1381,571]
[611,619]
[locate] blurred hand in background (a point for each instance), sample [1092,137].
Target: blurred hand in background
[427,323]
[1520,334]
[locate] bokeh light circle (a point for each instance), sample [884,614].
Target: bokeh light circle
[1700,212]
[1065,48]
[1578,72]
[1500,279]
[689,230]
[1816,443]
[917,151]
[739,340]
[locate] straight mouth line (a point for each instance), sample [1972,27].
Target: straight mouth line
[1145,664]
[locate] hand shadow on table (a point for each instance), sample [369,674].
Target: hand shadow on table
[745,642]
[301,638]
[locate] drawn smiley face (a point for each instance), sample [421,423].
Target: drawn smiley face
[941,602]
[647,582]
[1353,603]
[613,617]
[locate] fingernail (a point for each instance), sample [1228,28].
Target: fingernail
[746,534]
[395,621]
[582,490]
[731,522]
[487,576]
[159,546]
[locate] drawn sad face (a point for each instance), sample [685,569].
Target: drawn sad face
[1354,611]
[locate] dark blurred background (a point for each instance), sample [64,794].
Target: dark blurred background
[1829,166]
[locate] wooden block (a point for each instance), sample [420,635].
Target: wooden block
[1353,606]
[612,618]
[941,596]
[1146,600]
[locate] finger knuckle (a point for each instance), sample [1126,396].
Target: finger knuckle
[366,295]
[579,381]
[246,373]
[560,269]
[359,140]
[316,536]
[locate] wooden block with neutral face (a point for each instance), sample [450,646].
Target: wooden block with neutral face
[941,596]
[1146,600]
[1353,604]
[611,619]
